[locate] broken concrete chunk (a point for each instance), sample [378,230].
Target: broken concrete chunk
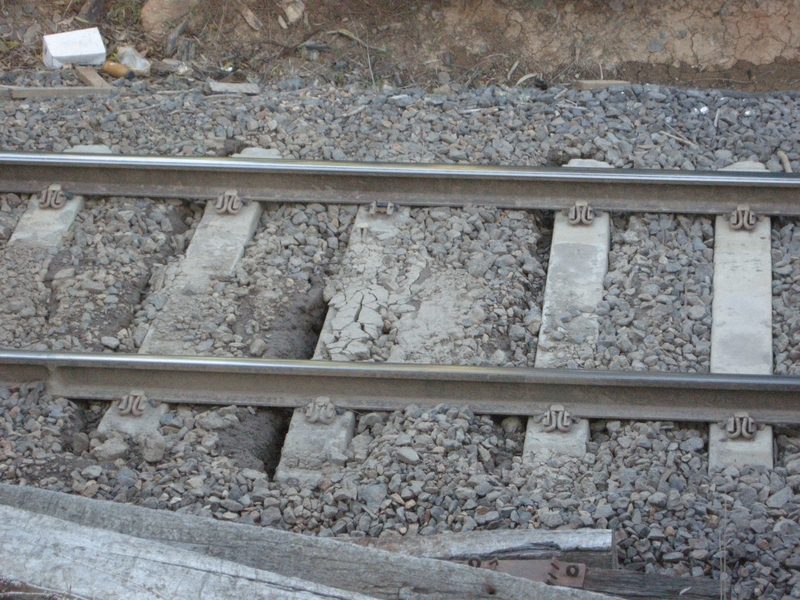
[82,47]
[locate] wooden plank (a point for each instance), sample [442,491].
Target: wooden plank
[644,586]
[10,587]
[320,560]
[21,93]
[592,547]
[94,563]
[91,77]
[596,84]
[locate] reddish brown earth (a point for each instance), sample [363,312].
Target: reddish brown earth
[750,45]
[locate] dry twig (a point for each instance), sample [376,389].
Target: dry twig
[349,34]
[679,138]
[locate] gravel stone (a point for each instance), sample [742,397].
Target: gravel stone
[647,481]
[109,342]
[551,519]
[92,472]
[83,297]
[273,306]
[779,499]
[407,455]
[152,445]
[496,125]
[373,495]
[786,296]
[111,450]
[656,309]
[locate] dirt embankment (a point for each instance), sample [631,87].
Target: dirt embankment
[751,45]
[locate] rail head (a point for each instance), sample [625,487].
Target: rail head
[546,188]
[370,386]
[378,170]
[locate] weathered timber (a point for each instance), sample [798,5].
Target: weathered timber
[650,586]
[328,562]
[91,77]
[62,91]
[11,589]
[95,563]
[592,547]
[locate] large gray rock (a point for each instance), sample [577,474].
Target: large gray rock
[110,450]
[373,495]
[153,445]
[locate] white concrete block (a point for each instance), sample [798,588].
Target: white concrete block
[578,265]
[741,332]
[218,244]
[82,47]
[541,445]
[218,87]
[746,165]
[88,149]
[312,450]
[45,227]
[723,452]
[269,153]
[133,426]
[574,287]
[588,163]
[215,250]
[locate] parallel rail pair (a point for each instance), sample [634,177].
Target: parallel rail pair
[517,391]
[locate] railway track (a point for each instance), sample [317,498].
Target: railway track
[367,387]
[374,186]
[389,264]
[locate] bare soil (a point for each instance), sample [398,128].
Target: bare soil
[256,441]
[748,45]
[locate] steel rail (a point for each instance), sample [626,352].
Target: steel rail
[693,192]
[370,386]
